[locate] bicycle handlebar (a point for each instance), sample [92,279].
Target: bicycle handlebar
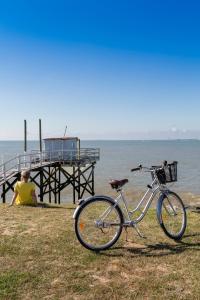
[152,168]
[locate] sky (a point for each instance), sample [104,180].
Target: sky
[105,69]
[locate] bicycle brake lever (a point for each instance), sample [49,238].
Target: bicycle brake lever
[137,169]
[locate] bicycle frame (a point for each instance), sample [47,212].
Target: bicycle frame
[129,213]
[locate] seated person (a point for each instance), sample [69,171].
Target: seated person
[24,191]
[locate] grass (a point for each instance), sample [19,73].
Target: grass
[40,258]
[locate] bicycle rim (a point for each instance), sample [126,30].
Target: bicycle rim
[98,224]
[173,216]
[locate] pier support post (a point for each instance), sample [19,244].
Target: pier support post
[53,178]
[41,185]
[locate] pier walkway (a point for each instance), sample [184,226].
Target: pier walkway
[53,171]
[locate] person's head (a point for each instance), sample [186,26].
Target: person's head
[25,175]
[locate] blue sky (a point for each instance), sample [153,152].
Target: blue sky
[106,69]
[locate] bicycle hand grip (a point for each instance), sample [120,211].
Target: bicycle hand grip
[137,169]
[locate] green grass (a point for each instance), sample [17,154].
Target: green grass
[40,258]
[11,282]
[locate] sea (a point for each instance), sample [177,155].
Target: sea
[118,157]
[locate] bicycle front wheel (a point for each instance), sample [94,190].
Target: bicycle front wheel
[98,224]
[172,215]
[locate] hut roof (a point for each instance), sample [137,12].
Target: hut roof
[61,138]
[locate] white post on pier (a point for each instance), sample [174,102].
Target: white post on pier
[24,160]
[3,167]
[2,162]
[18,163]
[40,158]
[25,142]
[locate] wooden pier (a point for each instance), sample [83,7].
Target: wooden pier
[52,172]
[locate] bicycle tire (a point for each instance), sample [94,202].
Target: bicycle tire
[171,215]
[91,232]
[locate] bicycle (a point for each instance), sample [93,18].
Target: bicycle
[99,220]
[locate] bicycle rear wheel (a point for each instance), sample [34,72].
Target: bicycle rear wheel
[98,224]
[171,215]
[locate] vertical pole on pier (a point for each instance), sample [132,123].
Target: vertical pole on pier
[59,182]
[93,179]
[40,134]
[74,184]
[41,185]
[79,182]
[49,184]
[55,187]
[79,148]
[25,136]
[4,193]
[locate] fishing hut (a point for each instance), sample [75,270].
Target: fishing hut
[66,148]
[62,165]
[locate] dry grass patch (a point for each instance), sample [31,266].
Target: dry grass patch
[40,258]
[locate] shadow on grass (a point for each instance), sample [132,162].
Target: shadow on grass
[191,235]
[54,206]
[197,211]
[155,250]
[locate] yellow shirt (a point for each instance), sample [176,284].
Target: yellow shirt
[24,190]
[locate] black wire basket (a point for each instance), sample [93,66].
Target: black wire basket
[168,173]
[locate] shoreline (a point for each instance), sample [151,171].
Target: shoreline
[132,196]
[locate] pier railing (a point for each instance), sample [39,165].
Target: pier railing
[34,159]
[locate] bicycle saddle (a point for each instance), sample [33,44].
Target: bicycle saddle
[115,184]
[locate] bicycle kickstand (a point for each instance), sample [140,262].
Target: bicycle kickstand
[126,229]
[138,231]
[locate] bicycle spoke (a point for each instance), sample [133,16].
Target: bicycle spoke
[173,216]
[99,224]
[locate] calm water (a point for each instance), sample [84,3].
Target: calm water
[118,157]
